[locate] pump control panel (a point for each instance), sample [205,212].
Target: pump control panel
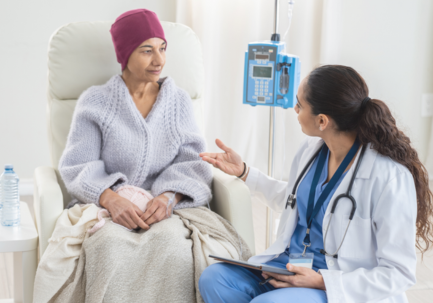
[271,77]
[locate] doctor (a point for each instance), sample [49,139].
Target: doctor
[376,261]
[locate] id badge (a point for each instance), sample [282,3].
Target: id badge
[302,260]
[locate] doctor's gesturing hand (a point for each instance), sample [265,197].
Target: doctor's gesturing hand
[229,162]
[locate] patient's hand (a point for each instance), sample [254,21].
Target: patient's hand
[123,211]
[158,209]
[229,161]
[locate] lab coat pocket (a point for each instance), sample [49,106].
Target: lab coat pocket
[358,241]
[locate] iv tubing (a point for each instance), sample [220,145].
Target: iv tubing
[290,13]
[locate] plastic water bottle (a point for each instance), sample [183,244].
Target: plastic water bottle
[9,197]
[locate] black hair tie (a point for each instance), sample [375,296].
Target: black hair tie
[364,102]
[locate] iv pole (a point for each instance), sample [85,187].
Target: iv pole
[271,151]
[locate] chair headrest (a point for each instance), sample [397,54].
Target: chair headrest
[82,54]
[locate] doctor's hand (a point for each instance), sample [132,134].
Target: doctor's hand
[122,211]
[305,277]
[229,161]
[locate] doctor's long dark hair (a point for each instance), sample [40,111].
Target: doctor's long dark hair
[338,92]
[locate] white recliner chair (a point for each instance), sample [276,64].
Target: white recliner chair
[81,55]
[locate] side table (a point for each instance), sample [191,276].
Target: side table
[22,240]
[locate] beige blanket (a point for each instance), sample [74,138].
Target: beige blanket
[163,264]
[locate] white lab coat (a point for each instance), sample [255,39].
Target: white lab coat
[377,260]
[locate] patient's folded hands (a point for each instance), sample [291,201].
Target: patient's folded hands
[134,207]
[161,207]
[125,206]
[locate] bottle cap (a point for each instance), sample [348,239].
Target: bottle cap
[9,166]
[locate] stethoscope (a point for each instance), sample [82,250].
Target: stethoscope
[291,200]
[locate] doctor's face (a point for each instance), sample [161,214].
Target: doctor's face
[305,116]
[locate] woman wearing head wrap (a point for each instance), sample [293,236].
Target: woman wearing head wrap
[138,130]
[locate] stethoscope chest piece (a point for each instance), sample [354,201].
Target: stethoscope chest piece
[291,201]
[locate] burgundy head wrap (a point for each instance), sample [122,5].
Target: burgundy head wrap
[133,28]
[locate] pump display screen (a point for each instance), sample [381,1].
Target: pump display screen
[262,57]
[262,71]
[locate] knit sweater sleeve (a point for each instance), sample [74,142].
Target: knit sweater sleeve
[80,166]
[187,174]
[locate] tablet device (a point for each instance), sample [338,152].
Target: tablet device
[260,267]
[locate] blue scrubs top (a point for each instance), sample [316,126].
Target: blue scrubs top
[316,236]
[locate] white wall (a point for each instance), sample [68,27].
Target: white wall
[25,29]
[391,44]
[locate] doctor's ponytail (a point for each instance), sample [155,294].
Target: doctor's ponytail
[341,93]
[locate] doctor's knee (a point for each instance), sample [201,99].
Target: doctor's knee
[212,276]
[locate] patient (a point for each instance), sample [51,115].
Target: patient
[139,130]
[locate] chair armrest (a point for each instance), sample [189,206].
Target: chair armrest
[48,204]
[232,201]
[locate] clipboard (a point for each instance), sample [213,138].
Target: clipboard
[260,267]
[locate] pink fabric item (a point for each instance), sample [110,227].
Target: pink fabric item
[136,195]
[133,28]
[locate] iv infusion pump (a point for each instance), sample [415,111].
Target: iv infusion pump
[271,77]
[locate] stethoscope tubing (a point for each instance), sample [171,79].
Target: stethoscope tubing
[352,212]
[292,198]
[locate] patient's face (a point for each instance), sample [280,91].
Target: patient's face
[147,60]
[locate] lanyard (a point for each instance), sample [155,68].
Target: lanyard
[312,209]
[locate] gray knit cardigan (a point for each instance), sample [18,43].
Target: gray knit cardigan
[110,144]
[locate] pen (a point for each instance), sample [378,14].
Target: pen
[265,281]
